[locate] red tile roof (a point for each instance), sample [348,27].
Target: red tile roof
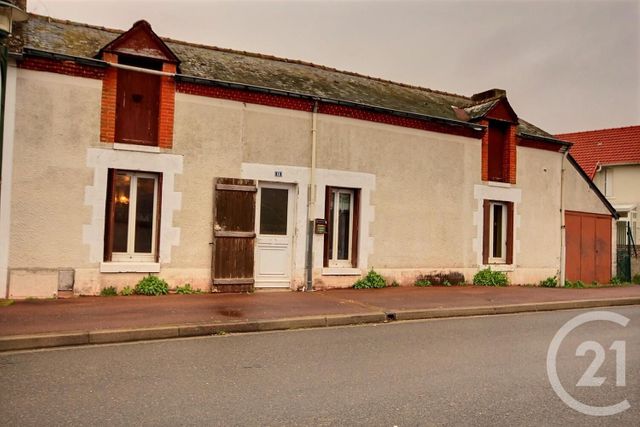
[604,147]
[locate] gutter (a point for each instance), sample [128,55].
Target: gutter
[567,145]
[312,197]
[253,88]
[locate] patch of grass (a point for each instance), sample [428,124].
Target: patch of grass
[186,289]
[127,290]
[636,279]
[6,302]
[109,291]
[152,285]
[488,277]
[616,281]
[394,284]
[549,282]
[372,280]
[422,282]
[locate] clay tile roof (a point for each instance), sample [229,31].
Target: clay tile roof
[604,147]
[75,39]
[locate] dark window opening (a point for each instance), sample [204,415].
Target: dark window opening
[498,151]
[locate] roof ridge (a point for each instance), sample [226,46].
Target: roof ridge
[259,55]
[597,130]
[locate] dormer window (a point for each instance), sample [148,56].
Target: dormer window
[491,109]
[138,106]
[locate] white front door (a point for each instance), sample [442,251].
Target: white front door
[274,231]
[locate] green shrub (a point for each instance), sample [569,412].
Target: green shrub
[579,284]
[422,282]
[152,285]
[371,280]
[636,279]
[127,290]
[108,292]
[186,289]
[487,277]
[616,281]
[549,282]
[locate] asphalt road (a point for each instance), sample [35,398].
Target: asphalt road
[468,371]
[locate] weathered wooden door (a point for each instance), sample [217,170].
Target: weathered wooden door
[233,234]
[137,108]
[588,239]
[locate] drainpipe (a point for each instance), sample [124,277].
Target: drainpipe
[311,206]
[563,229]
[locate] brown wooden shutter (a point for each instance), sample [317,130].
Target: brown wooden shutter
[328,237]
[486,231]
[158,216]
[509,255]
[356,228]
[109,216]
[234,234]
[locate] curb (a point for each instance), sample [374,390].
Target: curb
[39,341]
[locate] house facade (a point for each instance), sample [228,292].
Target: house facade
[611,158]
[126,154]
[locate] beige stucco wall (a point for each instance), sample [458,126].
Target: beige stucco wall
[578,194]
[423,212]
[538,234]
[56,118]
[424,189]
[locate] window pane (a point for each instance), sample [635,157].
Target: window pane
[331,196]
[344,211]
[497,231]
[121,212]
[273,211]
[144,215]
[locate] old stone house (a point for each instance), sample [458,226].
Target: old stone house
[127,154]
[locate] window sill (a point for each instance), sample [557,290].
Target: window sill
[499,184]
[500,267]
[129,267]
[341,271]
[135,147]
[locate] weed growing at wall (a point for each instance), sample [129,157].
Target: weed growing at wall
[126,291]
[186,289]
[152,285]
[370,281]
[488,277]
[549,282]
[422,282]
[636,279]
[108,292]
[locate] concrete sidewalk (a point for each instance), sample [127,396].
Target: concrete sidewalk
[89,320]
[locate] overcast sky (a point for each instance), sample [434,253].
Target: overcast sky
[566,65]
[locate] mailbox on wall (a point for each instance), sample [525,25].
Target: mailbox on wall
[320,226]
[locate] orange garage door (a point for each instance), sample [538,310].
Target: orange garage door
[588,247]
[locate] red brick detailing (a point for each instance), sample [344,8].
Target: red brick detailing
[68,68]
[281,101]
[541,145]
[242,95]
[390,119]
[485,151]
[108,107]
[511,155]
[167,107]
[169,87]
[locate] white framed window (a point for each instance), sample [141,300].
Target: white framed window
[132,217]
[608,182]
[341,223]
[497,233]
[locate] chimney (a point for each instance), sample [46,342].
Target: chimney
[489,94]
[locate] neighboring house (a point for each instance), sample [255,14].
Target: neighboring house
[126,154]
[611,158]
